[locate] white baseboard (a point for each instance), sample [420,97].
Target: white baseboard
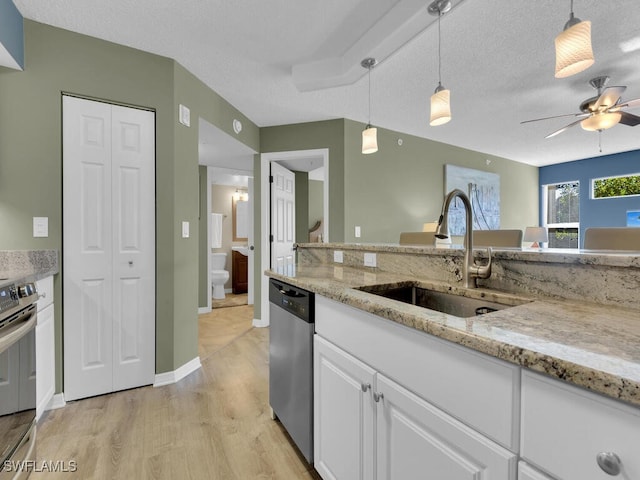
[260,323]
[57,401]
[168,378]
[202,310]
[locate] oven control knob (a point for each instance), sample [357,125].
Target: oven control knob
[26,290]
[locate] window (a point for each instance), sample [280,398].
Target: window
[615,187]
[562,210]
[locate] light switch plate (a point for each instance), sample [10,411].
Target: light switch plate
[338,257]
[40,227]
[185,115]
[369,259]
[185,229]
[357,231]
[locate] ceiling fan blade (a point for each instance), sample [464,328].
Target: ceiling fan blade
[566,127]
[609,97]
[557,116]
[629,119]
[628,104]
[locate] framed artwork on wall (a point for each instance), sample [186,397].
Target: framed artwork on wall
[633,218]
[483,190]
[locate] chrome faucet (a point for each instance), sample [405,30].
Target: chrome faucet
[471,270]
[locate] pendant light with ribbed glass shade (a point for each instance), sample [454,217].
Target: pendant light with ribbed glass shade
[574,53]
[441,98]
[369,134]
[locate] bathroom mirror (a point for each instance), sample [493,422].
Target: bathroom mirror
[239,211]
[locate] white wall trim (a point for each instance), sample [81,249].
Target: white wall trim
[168,378]
[202,310]
[265,226]
[260,322]
[57,401]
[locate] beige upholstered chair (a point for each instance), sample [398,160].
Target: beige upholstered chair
[612,238]
[497,238]
[417,238]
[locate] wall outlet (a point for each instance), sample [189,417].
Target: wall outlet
[338,257]
[369,259]
[185,229]
[357,231]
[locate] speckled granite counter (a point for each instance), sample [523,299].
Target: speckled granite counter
[581,342]
[18,266]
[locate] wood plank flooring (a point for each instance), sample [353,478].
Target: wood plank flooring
[214,424]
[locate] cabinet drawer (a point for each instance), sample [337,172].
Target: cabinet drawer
[565,428]
[477,389]
[45,290]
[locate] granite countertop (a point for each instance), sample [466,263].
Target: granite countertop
[591,346]
[25,266]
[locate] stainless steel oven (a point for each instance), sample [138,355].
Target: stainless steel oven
[17,380]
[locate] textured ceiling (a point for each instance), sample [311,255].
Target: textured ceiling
[498,62]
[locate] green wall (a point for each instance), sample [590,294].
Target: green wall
[310,136]
[31,161]
[316,199]
[399,188]
[302,207]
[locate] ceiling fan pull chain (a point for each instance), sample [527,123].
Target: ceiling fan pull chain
[600,140]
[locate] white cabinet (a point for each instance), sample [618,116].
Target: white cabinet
[416,440]
[45,346]
[565,429]
[368,426]
[343,414]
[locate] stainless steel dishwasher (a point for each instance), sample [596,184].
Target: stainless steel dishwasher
[291,317]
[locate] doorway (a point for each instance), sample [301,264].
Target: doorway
[226,165]
[300,161]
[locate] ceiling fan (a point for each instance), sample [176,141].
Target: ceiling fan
[602,111]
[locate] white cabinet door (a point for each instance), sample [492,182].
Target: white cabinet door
[45,359]
[343,414]
[415,440]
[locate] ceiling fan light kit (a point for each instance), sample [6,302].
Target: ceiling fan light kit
[574,53]
[601,121]
[369,134]
[441,98]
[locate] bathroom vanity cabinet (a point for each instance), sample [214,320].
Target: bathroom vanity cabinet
[240,272]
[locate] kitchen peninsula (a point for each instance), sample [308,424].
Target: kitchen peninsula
[509,392]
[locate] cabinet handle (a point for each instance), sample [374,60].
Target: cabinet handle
[609,462]
[378,396]
[365,387]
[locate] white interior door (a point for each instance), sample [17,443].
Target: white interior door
[108,247]
[283,215]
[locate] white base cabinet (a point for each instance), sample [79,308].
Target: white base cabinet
[45,347]
[368,426]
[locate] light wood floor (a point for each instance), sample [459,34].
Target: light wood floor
[214,424]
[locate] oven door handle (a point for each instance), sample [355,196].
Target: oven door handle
[23,327]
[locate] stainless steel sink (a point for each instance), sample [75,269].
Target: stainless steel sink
[450,303]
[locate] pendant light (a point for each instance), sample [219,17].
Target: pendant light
[369,134]
[573,47]
[440,100]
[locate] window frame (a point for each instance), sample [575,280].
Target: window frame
[593,182]
[545,211]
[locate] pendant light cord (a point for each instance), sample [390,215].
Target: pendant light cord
[369,123]
[440,50]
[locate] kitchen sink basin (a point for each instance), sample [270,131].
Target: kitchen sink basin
[450,303]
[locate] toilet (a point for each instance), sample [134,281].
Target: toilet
[219,275]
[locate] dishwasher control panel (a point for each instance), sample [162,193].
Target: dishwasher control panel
[294,300]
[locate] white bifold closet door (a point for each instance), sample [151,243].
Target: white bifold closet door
[108,247]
